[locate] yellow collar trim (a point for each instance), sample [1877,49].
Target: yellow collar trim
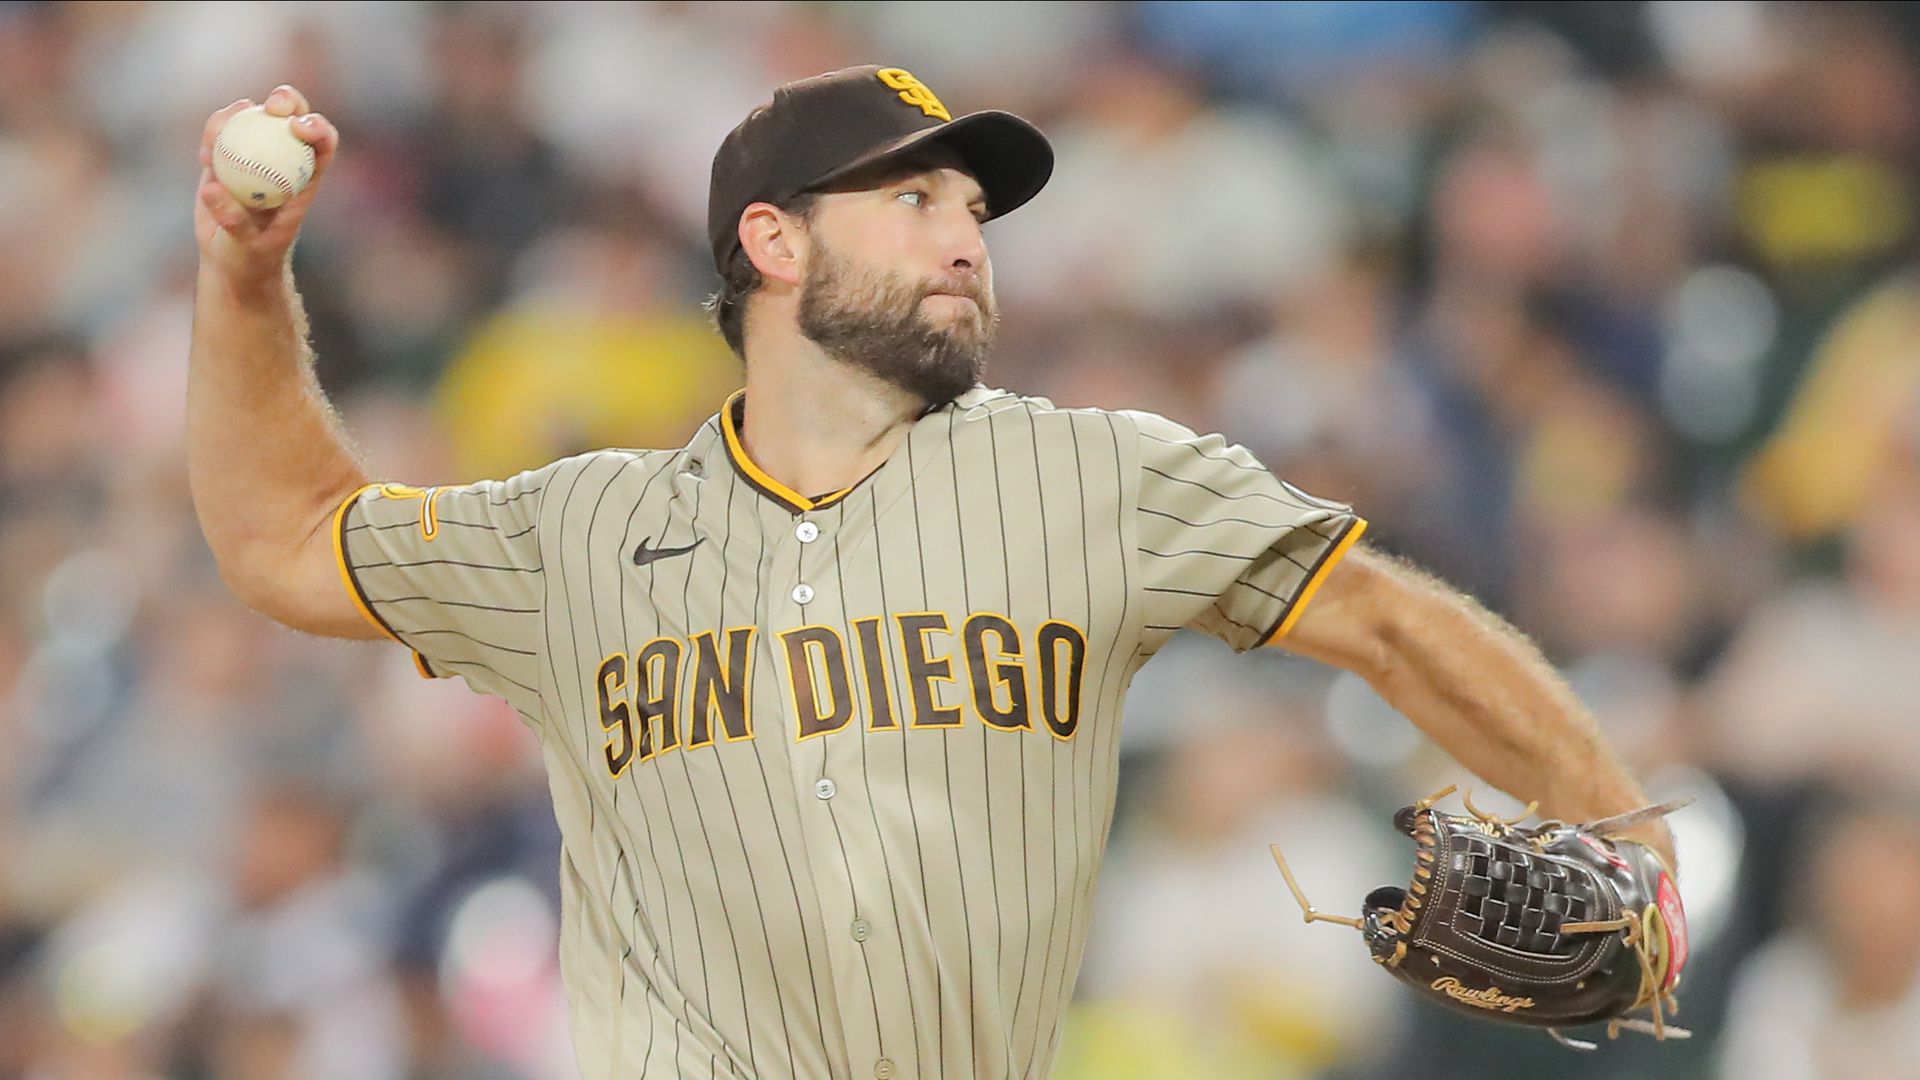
[759,477]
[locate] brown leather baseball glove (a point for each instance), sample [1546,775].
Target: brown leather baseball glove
[1550,925]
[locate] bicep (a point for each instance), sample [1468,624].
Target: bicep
[1346,622]
[328,603]
[300,582]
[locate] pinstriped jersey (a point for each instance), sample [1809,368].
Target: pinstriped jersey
[834,774]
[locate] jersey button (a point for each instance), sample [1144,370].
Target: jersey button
[807,531]
[862,930]
[824,789]
[883,1069]
[802,593]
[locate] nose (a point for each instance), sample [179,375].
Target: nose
[964,245]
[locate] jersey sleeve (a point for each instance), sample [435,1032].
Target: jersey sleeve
[455,574]
[1225,546]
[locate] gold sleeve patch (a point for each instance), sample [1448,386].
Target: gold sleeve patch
[359,595]
[429,508]
[430,514]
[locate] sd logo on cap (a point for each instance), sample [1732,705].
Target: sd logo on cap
[818,130]
[914,92]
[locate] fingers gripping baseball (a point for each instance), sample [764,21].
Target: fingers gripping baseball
[245,241]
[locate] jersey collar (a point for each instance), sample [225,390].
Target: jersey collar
[731,415]
[925,444]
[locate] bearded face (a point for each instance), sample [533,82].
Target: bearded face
[928,336]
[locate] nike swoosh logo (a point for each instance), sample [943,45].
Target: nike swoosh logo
[643,554]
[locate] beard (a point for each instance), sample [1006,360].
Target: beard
[872,320]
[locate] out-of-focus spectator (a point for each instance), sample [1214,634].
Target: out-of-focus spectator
[118,976]
[649,91]
[1163,206]
[1199,944]
[1821,681]
[590,352]
[1014,52]
[1300,48]
[1572,585]
[1837,997]
[299,986]
[1327,356]
[1845,425]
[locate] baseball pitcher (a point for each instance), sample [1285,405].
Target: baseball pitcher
[829,696]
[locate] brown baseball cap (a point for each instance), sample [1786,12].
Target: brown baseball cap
[817,130]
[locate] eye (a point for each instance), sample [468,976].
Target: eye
[914,197]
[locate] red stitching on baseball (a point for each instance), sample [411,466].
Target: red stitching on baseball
[273,176]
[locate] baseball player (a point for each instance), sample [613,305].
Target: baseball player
[830,696]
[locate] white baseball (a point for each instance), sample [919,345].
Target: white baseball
[259,158]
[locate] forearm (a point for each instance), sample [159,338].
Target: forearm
[267,460]
[1487,696]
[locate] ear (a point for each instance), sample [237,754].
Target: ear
[773,240]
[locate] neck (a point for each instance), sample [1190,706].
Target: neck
[817,425]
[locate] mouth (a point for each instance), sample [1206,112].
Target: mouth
[954,310]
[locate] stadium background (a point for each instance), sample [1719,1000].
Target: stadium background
[1607,312]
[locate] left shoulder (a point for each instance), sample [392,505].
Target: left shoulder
[983,402]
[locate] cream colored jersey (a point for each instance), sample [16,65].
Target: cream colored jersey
[835,774]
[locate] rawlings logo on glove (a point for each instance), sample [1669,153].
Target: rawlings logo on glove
[1550,925]
[1490,998]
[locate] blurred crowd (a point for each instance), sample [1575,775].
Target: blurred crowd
[1608,313]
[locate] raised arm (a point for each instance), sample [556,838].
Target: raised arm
[266,457]
[1473,683]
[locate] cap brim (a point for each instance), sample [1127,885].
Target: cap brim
[1009,157]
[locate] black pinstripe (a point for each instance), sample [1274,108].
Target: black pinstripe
[1223,496]
[616,821]
[913,495]
[846,862]
[947,765]
[1053,788]
[1083,862]
[1006,604]
[726,570]
[461,604]
[880,575]
[760,613]
[626,576]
